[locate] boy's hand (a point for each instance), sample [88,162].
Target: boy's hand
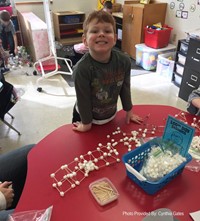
[78,126]
[7,192]
[133,117]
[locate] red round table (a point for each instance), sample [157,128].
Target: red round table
[63,145]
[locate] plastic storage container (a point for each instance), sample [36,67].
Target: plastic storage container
[165,64]
[157,38]
[103,191]
[146,57]
[71,19]
[136,158]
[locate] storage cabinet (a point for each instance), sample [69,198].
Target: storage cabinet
[68,26]
[181,53]
[135,18]
[118,16]
[35,36]
[191,74]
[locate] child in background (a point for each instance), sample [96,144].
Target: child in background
[107,7]
[194,102]
[7,33]
[3,59]
[101,76]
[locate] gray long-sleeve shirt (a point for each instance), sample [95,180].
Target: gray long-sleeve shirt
[8,28]
[98,86]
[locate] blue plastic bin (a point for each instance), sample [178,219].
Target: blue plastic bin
[71,19]
[136,158]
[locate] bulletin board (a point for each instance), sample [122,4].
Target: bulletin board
[101,3]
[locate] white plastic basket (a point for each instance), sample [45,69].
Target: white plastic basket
[165,65]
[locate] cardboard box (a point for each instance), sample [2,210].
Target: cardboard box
[35,35]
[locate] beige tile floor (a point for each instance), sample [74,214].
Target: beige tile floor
[38,114]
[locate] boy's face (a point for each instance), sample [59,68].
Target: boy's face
[100,37]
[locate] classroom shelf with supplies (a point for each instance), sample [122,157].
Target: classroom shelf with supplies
[68,26]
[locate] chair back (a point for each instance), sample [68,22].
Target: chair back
[5,97]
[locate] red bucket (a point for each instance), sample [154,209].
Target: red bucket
[154,38]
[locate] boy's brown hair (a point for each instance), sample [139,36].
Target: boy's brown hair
[100,16]
[5,15]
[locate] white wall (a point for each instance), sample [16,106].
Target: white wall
[36,9]
[81,5]
[180,25]
[58,5]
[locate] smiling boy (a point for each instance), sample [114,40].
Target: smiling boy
[101,76]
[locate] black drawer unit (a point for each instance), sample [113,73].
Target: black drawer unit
[180,61]
[191,74]
[183,46]
[190,81]
[193,55]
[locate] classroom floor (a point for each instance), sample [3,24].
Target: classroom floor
[38,114]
